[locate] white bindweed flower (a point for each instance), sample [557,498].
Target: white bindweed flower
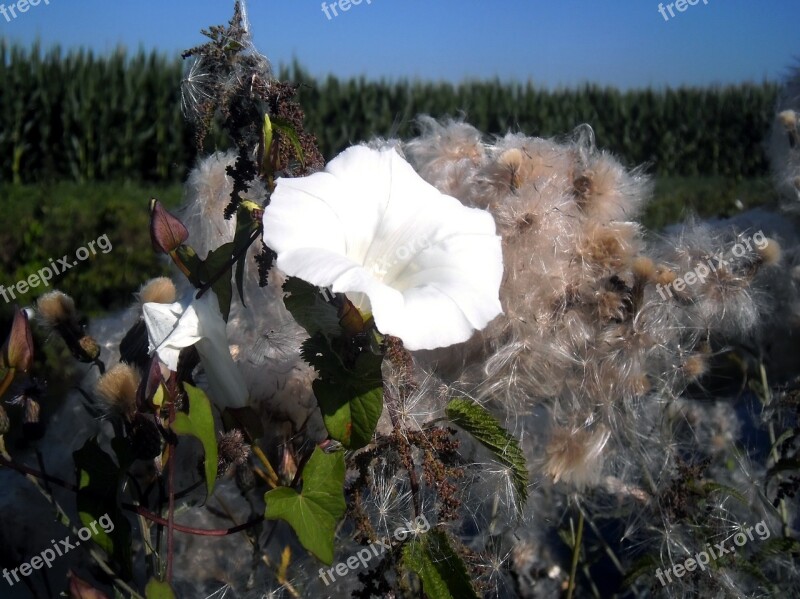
[198,322]
[425,266]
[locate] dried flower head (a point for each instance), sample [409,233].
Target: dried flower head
[160,290]
[233,451]
[771,253]
[118,388]
[573,455]
[56,309]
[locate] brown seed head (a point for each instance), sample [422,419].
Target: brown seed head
[56,308]
[160,290]
[118,388]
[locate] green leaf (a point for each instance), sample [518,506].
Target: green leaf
[711,486]
[350,399]
[286,128]
[98,480]
[247,230]
[645,565]
[315,512]
[266,147]
[309,308]
[214,263]
[199,423]
[156,589]
[479,423]
[440,569]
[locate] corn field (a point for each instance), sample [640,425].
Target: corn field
[77,116]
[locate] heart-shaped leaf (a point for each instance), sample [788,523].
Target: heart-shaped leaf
[315,512]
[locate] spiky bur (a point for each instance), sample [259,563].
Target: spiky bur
[233,451]
[601,331]
[229,78]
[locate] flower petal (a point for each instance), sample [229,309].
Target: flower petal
[198,322]
[224,379]
[429,267]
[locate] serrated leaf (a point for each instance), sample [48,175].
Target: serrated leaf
[479,423]
[777,546]
[440,569]
[199,423]
[98,480]
[309,309]
[711,486]
[316,510]
[156,589]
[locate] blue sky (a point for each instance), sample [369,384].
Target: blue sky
[626,43]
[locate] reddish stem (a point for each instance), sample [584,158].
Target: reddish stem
[171,495]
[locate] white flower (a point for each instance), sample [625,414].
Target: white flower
[198,322]
[427,267]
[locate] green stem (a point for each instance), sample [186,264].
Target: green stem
[576,551]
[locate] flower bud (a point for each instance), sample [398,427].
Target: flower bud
[18,349]
[167,233]
[80,589]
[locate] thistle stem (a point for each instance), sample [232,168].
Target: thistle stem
[576,551]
